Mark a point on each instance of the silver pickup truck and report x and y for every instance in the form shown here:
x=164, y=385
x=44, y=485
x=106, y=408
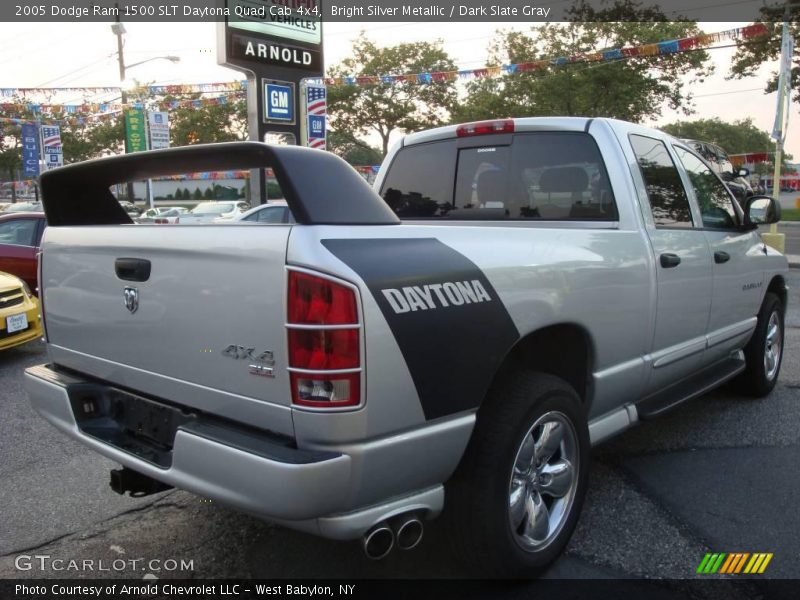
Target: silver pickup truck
x=510, y=293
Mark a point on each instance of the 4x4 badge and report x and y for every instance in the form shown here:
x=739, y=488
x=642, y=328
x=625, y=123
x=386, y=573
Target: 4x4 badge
x=131, y=296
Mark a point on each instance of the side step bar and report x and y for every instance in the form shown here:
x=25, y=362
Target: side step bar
x=692, y=387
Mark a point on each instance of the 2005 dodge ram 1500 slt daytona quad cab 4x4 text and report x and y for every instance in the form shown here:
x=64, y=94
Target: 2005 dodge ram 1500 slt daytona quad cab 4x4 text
x=510, y=293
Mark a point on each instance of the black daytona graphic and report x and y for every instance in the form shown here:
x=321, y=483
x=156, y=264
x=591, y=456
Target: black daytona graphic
x=451, y=327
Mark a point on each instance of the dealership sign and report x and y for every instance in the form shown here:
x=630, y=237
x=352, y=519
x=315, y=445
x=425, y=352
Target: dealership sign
x=135, y=137
x=30, y=150
x=158, y=123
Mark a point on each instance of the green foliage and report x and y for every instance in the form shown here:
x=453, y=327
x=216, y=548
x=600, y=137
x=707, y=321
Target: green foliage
x=197, y=194
x=629, y=89
x=209, y=123
x=384, y=108
x=274, y=190
x=767, y=48
x=735, y=138
x=739, y=137
x=351, y=149
x=208, y=194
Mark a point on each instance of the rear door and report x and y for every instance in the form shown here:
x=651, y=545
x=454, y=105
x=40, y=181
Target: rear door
x=682, y=264
x=737, y=259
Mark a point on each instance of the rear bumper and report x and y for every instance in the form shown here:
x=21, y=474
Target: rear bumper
x=291, y=484
x=311, y=490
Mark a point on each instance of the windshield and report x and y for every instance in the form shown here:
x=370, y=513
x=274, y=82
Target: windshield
x=214, y=209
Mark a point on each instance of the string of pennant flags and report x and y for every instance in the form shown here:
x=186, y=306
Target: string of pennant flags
x=154, y=90
x=91, y=110
x=646, y=50
x=103, y=110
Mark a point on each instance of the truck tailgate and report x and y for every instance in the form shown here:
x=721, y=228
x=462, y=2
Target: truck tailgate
x=212, y=307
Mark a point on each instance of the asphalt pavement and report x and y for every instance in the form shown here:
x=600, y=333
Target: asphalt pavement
x=718, y=474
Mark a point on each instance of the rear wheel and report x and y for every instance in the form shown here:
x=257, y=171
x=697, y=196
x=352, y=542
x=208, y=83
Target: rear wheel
x=764, y=351
x=515, y=499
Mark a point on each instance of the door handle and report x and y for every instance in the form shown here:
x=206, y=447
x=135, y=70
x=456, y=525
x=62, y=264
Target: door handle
x=721, y=257
x=132, y=269
x=669, y=260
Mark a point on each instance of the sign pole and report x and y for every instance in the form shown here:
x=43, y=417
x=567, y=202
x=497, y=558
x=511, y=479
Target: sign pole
x=277, y=46
x=773, y=238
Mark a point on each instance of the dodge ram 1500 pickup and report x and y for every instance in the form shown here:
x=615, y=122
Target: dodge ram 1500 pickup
x=454, y=339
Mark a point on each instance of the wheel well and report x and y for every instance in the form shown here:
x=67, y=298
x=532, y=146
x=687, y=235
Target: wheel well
x=563, y=350
x=778, y=287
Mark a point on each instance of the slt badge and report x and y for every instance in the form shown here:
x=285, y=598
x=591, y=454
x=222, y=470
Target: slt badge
x=131, y=296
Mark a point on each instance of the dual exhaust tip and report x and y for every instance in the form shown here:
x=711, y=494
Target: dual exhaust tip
x=403, y=531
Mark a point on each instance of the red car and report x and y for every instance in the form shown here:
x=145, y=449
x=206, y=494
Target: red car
x=20, y=234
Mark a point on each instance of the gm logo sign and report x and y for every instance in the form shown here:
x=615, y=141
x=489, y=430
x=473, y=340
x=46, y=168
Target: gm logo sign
x=279, y=102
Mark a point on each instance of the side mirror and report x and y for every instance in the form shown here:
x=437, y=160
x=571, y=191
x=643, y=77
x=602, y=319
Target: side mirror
x=742, y=172
x=762, y=210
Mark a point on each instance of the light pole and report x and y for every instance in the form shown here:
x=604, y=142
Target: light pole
x=119, y=30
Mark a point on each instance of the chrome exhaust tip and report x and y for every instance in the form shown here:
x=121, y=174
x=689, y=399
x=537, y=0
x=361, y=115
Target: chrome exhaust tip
x=408, y=531
x=378, y=541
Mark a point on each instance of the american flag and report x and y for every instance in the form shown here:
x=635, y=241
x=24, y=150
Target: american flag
x=51, y=136
x=316, y=106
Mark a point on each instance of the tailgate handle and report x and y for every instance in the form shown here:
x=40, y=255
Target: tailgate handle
x=132, y=269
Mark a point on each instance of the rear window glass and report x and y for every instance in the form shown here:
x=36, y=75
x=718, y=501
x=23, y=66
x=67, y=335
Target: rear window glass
x=540, y=176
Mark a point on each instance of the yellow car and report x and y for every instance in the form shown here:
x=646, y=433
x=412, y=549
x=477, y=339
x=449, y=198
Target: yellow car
x=19, y=312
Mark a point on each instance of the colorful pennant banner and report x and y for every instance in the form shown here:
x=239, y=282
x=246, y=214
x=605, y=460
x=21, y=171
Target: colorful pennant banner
x=109, y=109
x=658, y=49
x=184, y=88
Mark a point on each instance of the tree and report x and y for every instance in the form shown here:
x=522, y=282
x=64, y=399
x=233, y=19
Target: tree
x=208, y=194
x=631, y=89
x=752, y=54
x=739, y=137
x=208, y=123
x=387, y=107
x=197, y=194
x=352, y=149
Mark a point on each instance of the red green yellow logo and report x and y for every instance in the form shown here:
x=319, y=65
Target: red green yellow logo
x=734, y=563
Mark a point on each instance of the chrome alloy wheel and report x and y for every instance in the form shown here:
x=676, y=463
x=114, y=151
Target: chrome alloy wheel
x=773, y=346
x=543, y=481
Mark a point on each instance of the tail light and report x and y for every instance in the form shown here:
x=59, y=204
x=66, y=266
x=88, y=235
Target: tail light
x=485, y=128
x=161, y=221
x=324, y=341
x=177, y=220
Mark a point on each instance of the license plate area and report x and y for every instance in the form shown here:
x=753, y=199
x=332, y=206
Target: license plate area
x=137, y=425
x=16, y=323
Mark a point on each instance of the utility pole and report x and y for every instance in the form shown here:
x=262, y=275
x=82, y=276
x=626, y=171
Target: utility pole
x=119, y=29
x=773, y=238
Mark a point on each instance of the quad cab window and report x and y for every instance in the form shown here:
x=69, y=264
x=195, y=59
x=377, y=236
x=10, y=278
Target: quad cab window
x=537, y=176
x=716, y=203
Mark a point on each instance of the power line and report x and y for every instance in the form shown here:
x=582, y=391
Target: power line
x=731, y=92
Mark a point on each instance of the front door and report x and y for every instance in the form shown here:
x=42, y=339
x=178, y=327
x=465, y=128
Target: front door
x=737, y=260
x=683, y=267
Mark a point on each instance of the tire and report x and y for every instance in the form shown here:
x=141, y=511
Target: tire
x=764, y=352
x=491, y=516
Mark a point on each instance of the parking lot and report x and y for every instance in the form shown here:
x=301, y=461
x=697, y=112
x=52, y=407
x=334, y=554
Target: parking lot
x=716, y=475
